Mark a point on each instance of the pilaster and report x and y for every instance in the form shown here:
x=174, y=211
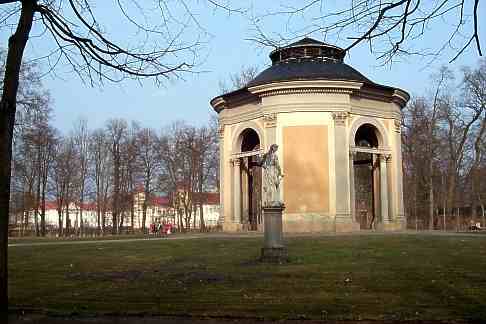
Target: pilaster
x=237, y=191
x=390, y=189
x=222, y=203
x=270, y=124
x=383, y=189
x=344, y=219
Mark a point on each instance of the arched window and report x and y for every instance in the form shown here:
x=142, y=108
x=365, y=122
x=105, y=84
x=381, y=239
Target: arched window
x=250, y=140
x=366, y=136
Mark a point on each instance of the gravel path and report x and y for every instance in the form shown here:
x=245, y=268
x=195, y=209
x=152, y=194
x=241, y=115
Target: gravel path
x=244, y=235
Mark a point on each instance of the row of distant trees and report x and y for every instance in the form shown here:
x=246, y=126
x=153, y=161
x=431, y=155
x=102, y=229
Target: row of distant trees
x=105, y=165
x=444, y=145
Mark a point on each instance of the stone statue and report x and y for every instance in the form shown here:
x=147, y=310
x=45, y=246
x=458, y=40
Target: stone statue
x=272, y=176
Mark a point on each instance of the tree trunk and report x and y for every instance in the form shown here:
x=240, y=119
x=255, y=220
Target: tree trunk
x=451, y=187
x=98, y=217
x=144, y=213
x=201, y=201
x=483, y=215
x=59, y=215
x=458, y=220
x=103, y=221
x=68, y=221
x=474, y=213
x=38, y=191
x=132, y=213
x=116, y=194
x=8, y=107
x=43, y=209
x=81, y=203
x=431, y=197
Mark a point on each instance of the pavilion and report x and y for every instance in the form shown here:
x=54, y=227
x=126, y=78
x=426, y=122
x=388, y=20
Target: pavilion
x=339, y=144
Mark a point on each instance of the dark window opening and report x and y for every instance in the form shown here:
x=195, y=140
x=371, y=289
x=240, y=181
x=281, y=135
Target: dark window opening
x=366, y=136
x=250, y=141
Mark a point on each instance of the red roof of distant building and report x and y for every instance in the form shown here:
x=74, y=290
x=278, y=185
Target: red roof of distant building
x=87, y=206
x=207, y=198
x=51, y=205
x=161, y=201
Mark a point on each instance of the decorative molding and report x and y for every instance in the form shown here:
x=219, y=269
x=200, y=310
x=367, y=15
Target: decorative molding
x=400, y=97
x=305, y=87
x=380, y=151
x=218, y=104
x=397, y=125
x=236, y=162
x=388, y=158
x=352, y=155
x=221, y=131
x=270, y=120
x=302, y=91
x=246, y=154
x=340, y=118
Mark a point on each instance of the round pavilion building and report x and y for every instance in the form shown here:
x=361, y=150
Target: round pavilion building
x=339, y=144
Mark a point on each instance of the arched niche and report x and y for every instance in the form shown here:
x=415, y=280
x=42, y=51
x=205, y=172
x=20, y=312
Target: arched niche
x=243, y=134
x=373, y=128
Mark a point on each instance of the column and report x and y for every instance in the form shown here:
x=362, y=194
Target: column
x=383, y=190
x=343, y=213
x=352, y=189
x=237, y=191
x=391, y=191
x=221, y=175
x=399, y=173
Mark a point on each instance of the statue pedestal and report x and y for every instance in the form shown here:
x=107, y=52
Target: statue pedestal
x=273, y=250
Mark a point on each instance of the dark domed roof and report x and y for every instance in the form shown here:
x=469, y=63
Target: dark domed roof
x=305, y=70
x=308, y=59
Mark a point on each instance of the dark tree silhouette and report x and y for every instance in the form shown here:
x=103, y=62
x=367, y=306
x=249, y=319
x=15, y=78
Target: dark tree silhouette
x=163, y=49
x=391, y=28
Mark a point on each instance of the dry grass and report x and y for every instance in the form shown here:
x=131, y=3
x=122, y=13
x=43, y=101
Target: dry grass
x=332, y=277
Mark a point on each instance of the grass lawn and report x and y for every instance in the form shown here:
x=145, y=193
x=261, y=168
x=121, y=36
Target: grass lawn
x=331, y=277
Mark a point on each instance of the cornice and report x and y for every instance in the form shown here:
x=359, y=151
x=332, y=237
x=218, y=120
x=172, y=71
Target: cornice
x=218, y=104
x=305, y=87
x=400, y=97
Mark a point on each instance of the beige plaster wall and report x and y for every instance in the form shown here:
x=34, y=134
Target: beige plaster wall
x=306, y=169
x=301, y=121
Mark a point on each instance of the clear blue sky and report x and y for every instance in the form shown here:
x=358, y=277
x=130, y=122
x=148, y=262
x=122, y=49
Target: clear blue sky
x=226, y=52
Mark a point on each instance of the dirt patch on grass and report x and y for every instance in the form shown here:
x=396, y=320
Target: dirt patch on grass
x=106, y=275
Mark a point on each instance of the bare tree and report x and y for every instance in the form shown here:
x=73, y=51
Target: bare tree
x=99, y=151
x=174, y=178
x=81, y=142
x=390, y=28
x=475, y=98
x=80, y=40
x=63, y=176
x=443, y=141
x=238, y=80
x=129, y=173
x=116, y=129
x=148, y=162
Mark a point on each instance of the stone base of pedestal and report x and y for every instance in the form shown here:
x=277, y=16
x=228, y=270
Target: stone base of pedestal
x=274, y=255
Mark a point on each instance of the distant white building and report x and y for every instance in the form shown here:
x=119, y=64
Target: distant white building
x=159, y=210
